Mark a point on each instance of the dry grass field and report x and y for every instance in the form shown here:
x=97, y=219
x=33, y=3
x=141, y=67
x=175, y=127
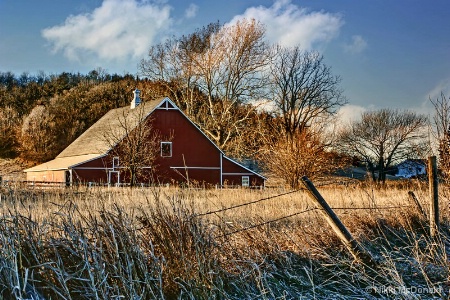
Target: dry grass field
x=171, y=243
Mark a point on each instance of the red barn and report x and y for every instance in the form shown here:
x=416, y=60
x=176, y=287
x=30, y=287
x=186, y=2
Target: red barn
x=185, y=153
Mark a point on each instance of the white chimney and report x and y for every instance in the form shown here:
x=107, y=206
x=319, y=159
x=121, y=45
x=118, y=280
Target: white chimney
x=136, y=100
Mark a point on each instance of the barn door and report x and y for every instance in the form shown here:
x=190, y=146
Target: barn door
x=113, y=178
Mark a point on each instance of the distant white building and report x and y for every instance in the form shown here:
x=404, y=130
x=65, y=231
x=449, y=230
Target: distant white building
x=411, y=168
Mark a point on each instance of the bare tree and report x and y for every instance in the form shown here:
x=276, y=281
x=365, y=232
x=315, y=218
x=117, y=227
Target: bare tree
x=306, y=95
x=133, y=141
x=37, y=135
x=222, y=66
x=172, y=65
x=384, y=137
x=232, y=75
x=442, y=132
x=303, y=88
x=9, y=122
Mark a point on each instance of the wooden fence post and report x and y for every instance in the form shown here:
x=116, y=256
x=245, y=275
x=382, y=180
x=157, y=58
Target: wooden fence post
x=417, y=203
x=434, y=196
x=341, y=231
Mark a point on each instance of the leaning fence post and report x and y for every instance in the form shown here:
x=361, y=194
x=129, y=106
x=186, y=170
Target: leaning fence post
x=417, y=203
x=344, y=235
x=434, y=196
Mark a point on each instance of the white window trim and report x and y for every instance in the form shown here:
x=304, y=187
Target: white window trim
x=163, y=143
x=247, y=179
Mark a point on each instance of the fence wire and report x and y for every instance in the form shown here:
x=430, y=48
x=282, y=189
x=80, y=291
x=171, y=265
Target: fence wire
x=243, y=204
x=372, y=208
x=309, y=210
x=294, y=214
x=267, y=222
x=340, y=182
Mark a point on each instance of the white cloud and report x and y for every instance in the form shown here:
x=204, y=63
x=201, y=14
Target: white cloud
x=357, y=45
x=441, y=87
x=191, y=11
x=117, y=30
x=349, y=113
x=291, y=25
x=265, y=105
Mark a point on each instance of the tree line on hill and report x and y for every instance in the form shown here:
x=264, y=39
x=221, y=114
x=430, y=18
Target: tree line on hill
x=253, y=99
x=40, y=115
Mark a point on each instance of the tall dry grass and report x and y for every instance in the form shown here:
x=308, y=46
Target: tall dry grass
x=170, y=243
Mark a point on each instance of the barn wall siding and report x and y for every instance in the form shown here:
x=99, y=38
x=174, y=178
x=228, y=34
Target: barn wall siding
x=47, y=176
x=189, y=146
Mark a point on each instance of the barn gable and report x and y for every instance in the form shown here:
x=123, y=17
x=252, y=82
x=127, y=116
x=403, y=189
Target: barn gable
x=191, y=155
x=166, y=103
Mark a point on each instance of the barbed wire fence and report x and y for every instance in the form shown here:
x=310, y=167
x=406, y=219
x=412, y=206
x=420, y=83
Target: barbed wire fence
x=217, y=212
x=320, y=205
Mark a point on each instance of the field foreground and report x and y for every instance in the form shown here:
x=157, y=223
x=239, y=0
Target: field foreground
x=168, y=243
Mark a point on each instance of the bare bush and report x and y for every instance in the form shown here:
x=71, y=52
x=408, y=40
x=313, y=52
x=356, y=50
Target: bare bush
x=300, y=154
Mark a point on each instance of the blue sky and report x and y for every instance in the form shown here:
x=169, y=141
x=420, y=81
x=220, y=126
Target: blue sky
x=389, y=53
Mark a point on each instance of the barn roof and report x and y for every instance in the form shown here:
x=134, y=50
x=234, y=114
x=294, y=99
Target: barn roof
x=112, y=127
x=62, y=163
x=98, y=139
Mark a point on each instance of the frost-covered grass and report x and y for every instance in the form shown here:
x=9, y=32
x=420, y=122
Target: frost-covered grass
x=154, y=243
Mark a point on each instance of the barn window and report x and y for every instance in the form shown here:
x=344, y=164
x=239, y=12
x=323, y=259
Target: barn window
x=245, y=181
x=115, y=162
x=166, y=149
